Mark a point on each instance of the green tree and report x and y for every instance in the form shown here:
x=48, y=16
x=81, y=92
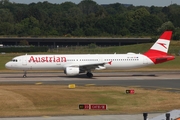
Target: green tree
x=115, y=8
x=166, y=26
x=88, y=6
x=176, y=34
x=67, y=5
x=85, y=19
x=6, y=16
x=6, y=22
x=173, y=14
x=28, y=26
x=136, y=20
x=139, y=13
x=91, y=32
x=150, y=24
x=6, y=28
x=4, y=2
x=20, y=13
x=78, y=32
x=154, y=10
x=106, y=25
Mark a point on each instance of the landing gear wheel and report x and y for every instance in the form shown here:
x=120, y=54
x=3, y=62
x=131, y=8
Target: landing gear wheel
x=24, y=76
x=89, y=75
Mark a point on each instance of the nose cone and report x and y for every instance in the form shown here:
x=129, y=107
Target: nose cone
x=8, y=65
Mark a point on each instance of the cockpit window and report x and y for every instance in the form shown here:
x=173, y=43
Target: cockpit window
x=14, y=60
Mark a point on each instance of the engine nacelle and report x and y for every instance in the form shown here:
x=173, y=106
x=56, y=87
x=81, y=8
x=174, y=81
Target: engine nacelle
x=72, y=71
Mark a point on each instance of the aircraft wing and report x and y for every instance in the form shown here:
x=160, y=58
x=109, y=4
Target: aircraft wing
x=92, y=66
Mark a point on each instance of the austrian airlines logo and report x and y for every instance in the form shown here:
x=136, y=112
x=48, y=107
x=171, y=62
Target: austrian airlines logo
x=163, y=44
x=110, y=62
x=47, y=59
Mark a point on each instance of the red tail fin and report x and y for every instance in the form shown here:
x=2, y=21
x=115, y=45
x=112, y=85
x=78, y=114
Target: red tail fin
x=158, y=52
x=161, y=46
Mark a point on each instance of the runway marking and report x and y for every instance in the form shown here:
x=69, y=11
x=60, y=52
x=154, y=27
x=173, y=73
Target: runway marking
x=172, y=89
x=137, y=86
x=169, y=88
x=72, y=86
x=38, y=83
x=90, y=84
x=46, y=116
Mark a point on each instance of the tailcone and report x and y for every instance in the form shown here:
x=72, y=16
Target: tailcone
x=170, y=57
x=161, y=59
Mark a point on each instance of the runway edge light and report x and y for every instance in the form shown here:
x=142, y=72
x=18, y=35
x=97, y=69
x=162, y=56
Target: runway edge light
x=71, y=86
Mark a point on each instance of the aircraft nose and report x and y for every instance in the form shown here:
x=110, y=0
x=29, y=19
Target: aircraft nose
x=7, y=65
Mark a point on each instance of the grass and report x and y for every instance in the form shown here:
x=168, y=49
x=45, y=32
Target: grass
x=46, y=100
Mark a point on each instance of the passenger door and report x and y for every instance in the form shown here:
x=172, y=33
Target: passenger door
x=24, y=60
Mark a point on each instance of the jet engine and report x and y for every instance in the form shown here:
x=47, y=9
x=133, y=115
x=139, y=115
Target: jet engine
x=72, y=71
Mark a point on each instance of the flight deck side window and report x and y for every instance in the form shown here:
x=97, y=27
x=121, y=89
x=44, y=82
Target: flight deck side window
x=14, y=60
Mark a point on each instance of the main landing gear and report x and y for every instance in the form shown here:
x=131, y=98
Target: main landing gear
x=89, y=75
x=24, y=76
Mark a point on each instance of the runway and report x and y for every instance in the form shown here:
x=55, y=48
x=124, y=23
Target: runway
x=139, y=79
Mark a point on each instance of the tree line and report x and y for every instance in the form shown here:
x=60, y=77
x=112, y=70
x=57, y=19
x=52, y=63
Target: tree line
x=87, y=19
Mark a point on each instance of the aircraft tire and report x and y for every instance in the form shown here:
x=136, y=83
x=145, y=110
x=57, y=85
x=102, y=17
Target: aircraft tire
x=24, y=76
x=89, y=75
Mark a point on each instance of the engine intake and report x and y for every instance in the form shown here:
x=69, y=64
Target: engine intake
x=72, y=71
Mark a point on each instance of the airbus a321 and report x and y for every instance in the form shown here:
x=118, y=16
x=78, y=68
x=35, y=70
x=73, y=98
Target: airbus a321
x=74, y=64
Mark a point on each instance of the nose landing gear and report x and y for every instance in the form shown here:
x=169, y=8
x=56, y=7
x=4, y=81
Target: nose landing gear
x=24, y=76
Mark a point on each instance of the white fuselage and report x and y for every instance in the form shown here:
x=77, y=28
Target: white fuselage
x=60, y=62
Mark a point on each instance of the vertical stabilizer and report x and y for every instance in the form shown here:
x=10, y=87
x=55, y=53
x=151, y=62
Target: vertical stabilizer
x=158, y=52
x=161, y=46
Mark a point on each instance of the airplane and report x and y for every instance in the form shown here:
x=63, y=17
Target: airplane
x=75, y=64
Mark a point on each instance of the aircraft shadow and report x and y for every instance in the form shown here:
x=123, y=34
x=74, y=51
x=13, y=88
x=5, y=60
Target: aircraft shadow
x=130, y=75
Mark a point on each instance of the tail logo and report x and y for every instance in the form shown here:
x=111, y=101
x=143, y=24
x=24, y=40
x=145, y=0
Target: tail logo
x=163, y=44
x=158, y=52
